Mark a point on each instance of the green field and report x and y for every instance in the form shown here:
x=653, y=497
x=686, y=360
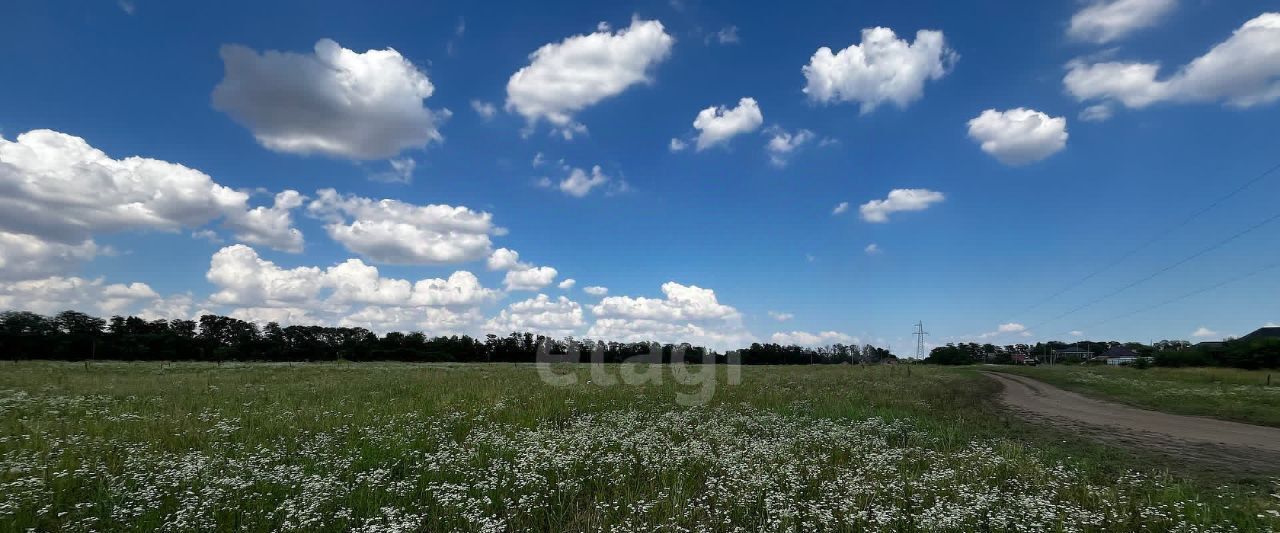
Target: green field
x=1226, y=393
x=399, y=447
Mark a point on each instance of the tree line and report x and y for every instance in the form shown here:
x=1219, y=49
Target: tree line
x=76, y=336
x=1236, y=353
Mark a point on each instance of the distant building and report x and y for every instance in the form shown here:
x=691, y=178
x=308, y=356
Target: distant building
x=1072, y=351
x=1119, y=355
x=1262, y=333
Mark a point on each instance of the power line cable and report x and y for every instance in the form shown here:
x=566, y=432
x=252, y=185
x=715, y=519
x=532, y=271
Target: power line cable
x=1176, y=264
x=1154, y=239
x=1196, y=292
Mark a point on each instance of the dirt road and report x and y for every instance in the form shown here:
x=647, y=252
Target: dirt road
x=1229, y=445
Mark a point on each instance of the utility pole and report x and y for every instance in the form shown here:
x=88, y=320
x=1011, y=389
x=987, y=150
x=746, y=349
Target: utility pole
x=919, y=334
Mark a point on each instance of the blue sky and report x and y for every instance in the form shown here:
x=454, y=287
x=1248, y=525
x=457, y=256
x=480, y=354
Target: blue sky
x=697, y=244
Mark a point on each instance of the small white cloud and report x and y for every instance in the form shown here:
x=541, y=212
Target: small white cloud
x=505, y=259
x=1104, y=21
x=270, y=226
x=782, y=144
x=727, y=35
x=401, y=171
x=1077, y=333
x=596, y=290
x=1204, y=332
x=804, y=338
x=883, y=68
x=579, y=183
x=563, y=78
x=1096, y=113
x=1019, y=136
x=872, y=249
x=780, y=316
x=717, y=124
x=207, y=235
x=840, y=208
x=1007, y=329
x=567, y=283
x=676, y=145
x=530, y=279
x=899, y=200
x=538, y=160
x=486, y=110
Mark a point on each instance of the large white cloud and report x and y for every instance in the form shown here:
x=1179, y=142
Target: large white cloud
x=57, y=192
x=349, y=293
x=1019, y=136
x=59, y=188
x=244, y=278
x=882, y=68
x=1242, y=71
x=718, y=124
x=563, y=78
x=56, y=293
x=25, y=256
x=687, y=313
x=804, y=338
x=541, y=314
x=391, y=231
x=430, y=320
x=899, y=200
x=1104, y=21
x=334, y=101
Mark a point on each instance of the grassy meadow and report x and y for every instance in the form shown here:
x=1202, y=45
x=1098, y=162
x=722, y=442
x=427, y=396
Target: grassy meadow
x=475, y=447
x=1226, y=393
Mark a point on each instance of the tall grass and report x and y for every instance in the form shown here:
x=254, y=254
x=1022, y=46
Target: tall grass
x=397, y=447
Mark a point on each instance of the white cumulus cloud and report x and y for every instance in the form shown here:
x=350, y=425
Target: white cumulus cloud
x=780, y=316
x=541, y=314
x=1019, y=136
x=529, y=279
x=57, y=192
x=1242, y=71
x=840, y=208
x=566, y=77
x=579, y=183
x=1202, y=332
x=782, y=144
x=717, y=124
x=804, y=338
x=596, y=290
x=333, y=101
x=57, y=293
x=897, y=201
x=392, y=231
x=1103, y=21
x=881, y=69
x=687, y=313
